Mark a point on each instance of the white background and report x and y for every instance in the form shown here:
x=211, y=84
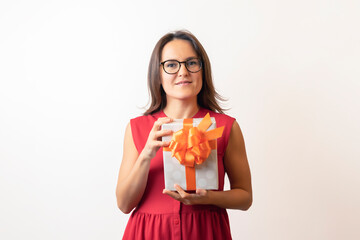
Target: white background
x=72, y=74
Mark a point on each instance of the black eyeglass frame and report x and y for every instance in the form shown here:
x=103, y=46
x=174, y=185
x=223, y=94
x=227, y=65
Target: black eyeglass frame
x=163, y=64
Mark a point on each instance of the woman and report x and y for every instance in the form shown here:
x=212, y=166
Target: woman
x=180, y=83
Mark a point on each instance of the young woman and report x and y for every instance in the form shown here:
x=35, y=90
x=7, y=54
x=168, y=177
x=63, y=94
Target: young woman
x=180, y=83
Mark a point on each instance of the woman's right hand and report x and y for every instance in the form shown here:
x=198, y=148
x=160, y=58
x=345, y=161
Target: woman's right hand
x=154, y=141
x=134, y=168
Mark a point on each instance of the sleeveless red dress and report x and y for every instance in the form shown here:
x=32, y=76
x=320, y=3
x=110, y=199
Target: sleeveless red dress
x=160, y=217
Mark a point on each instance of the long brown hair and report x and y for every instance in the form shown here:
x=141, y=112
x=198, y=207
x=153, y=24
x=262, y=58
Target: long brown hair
x=207, y=98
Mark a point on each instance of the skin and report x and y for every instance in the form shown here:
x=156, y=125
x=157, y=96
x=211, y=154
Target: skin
x=181, y=98
x=182, y=103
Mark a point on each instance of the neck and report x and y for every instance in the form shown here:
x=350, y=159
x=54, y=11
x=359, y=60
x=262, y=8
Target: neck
x=180, y=109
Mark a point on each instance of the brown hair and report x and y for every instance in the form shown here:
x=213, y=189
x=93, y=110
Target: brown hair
x=207, y=98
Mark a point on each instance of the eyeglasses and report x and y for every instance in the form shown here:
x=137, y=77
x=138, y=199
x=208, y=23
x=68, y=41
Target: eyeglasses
x=193, y=65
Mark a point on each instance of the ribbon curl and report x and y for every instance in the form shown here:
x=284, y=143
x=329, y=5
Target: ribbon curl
x=190, y=145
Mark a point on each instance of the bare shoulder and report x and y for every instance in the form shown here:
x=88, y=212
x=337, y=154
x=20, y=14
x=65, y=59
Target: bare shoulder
x=236, y=162
x=128, y=138
x=236, y=135
x=130, y=153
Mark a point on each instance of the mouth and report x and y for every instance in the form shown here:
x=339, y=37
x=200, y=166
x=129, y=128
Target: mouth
x=183, y=82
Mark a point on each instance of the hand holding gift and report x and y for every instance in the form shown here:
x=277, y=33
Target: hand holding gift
x=201, y=196
x=153, y=143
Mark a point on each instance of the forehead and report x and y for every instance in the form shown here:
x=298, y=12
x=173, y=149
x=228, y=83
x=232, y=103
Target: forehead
x=178, y=49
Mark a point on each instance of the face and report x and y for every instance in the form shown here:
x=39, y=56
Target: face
x=183, y=85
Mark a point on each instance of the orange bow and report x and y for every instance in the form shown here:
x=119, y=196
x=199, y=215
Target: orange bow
x=191, y=145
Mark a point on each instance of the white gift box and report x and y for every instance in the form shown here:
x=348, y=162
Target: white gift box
x=206, y=173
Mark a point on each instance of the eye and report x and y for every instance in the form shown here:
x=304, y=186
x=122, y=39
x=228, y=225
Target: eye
x=171, y=64
x=193, y=62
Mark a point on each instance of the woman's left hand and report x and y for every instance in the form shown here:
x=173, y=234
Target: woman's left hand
x=201, y=196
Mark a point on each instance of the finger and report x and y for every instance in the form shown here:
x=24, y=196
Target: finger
x=161, y=144
x=172, y=194
x=160, y=122
x=164, y=132
x=201, y=192
x=181, y=191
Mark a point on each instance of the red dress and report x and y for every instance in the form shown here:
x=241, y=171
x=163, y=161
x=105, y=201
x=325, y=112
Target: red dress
x=160, y=217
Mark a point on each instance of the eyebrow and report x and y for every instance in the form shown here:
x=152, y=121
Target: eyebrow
x=189, y=58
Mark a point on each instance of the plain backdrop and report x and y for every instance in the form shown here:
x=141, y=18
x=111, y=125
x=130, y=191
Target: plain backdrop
x=72, y=74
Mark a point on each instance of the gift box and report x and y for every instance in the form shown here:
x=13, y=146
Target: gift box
x=191, y=159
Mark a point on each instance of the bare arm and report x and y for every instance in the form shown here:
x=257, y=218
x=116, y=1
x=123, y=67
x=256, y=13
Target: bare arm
x=134, y=167
x=238, y=171
x=240, y=194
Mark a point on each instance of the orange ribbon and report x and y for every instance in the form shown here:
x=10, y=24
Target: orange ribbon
x=192, y=145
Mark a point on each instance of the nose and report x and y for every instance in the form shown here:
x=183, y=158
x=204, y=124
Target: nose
x=183, y=70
